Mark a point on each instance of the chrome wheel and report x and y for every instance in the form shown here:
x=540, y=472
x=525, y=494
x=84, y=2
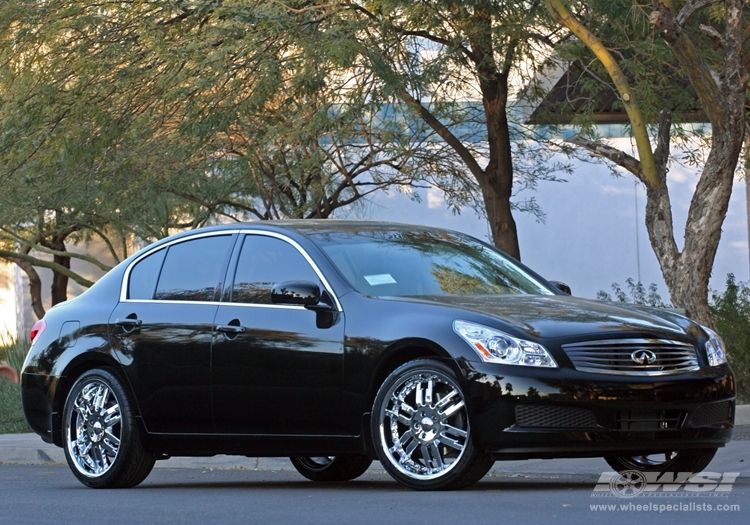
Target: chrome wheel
x=102, y=441
x=93, y=438
x=422, y=431
x=425, y=427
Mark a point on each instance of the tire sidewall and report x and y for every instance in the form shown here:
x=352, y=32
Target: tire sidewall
x=685, y=461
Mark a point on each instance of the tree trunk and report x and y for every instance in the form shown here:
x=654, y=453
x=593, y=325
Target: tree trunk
x=35, y=285
x=496, y=182
x=60, y=281
x=723, y=98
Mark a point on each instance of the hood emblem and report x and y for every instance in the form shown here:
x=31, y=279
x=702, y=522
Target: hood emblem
x=643, y=357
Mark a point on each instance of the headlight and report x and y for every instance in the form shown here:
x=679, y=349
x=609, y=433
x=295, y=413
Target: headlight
x=494, y=346
x=715, y=349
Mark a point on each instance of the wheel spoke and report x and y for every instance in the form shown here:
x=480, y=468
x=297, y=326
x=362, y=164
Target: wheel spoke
x=449, y=441
x=409, y=450
x=398, y=416
x=428, y=393
x=112, y=416
x=111, y=447
x=418, y=395
x=440, y=405
x=453, y=431
x=452, y=409
x=434, y=459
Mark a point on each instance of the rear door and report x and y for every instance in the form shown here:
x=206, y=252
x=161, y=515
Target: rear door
x=163, y=329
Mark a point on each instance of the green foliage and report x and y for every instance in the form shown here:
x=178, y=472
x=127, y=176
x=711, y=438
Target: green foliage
x=138, y=119
x=731, y=315
x=12, y=419
x=657, y=80
x=636, y=294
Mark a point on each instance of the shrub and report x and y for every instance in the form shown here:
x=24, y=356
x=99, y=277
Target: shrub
x=12, y=419
x=14, y=352
x=731, y=316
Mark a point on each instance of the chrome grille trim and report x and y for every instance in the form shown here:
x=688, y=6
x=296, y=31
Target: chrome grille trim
x=613, y=356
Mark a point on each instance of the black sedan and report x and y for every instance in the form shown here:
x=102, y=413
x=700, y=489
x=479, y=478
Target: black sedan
x=338, y=342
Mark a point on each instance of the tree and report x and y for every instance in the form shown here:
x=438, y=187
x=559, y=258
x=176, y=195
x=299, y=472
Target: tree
x=718, y=80
x=433, y=60
x=128, y=121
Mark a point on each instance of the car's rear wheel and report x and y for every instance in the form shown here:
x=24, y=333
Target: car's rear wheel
x=331, y=468
x=421, y=431
x=677, y=461
x=102, y=441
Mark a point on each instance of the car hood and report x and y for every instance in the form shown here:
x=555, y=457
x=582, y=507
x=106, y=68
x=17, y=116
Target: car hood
x=555, y=316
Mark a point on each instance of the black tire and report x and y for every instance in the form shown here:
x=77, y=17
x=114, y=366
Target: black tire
x=101, y=438
x=331, y=468
x=678, y=461
x=421, y=432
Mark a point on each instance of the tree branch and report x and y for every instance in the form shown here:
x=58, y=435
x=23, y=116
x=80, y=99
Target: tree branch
x=445, y=134
x=619, y=157
x=44, y=249
x=661, y=154
x=648, y=172
x=47, y=264
x=690, y=7
x=694, y=66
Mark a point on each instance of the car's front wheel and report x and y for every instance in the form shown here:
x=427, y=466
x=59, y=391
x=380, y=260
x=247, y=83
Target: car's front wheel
x=101, y=438
x=331, y=468
x=421, y=431
x=677, y=461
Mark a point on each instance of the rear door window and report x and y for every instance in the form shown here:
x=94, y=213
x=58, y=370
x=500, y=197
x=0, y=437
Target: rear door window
x=193, y=270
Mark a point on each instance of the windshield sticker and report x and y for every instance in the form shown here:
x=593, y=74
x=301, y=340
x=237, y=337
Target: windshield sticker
x=381, y=278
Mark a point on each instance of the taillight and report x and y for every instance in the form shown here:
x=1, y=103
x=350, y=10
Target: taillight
x=37, y=329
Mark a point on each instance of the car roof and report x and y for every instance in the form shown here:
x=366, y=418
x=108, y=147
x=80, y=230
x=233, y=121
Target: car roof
x=306, y=226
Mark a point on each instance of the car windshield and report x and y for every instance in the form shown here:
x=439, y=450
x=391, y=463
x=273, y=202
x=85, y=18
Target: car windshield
x=422, y=262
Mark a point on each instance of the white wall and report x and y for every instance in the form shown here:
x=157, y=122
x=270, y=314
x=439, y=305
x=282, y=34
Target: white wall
x=589, y=239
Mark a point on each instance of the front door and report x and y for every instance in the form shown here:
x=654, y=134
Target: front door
x=276, y=370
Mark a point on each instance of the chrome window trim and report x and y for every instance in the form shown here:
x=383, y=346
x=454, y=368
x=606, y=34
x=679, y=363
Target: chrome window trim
x=216, y=303
x=292, y=242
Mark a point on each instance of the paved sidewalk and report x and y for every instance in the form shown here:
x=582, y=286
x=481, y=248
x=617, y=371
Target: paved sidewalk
x=29, y=449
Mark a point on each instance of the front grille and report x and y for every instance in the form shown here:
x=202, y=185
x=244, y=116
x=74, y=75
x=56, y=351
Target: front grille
x=713, y=414
x=555, y=417
x=649, y=420
x=618, y=356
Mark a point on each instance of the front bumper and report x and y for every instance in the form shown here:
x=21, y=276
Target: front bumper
x=537, y=413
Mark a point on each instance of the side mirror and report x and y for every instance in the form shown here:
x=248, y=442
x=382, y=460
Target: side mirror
x=561, y=286
x=303, y=293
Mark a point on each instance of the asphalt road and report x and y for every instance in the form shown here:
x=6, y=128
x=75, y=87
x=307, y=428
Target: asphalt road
x=51, y=495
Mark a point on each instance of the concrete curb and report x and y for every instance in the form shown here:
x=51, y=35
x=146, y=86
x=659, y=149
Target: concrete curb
x=742, y=415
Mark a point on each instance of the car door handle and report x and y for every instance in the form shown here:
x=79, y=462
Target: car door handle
x=129, y=323
x=230, y=329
